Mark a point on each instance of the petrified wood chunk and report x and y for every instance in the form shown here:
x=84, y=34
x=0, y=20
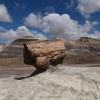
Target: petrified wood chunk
x=43, y=53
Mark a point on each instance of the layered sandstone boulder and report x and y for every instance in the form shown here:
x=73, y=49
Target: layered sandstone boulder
x=44, y=53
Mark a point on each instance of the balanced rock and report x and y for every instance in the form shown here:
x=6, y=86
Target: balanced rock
x=43, y=53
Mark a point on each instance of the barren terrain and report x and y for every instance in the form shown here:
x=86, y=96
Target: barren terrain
x=63, y=82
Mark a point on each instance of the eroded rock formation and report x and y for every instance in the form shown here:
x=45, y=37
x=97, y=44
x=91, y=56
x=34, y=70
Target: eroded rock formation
x=43, y=53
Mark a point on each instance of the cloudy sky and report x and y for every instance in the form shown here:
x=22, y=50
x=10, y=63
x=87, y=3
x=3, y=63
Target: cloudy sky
x=68, y=19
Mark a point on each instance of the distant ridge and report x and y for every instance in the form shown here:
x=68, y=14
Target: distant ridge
x=88, y=39
x=22, y=40
x=83, y=43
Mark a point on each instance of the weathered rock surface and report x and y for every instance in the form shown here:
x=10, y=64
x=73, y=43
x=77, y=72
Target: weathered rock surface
x=66, y=83
x=11, y=51
x=87, y=43
x=43, y=53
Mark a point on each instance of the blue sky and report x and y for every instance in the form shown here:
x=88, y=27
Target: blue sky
x=69, y=19
x=18, y=9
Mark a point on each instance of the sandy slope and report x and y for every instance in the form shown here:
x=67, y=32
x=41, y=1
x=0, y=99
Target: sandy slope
x=65, y=83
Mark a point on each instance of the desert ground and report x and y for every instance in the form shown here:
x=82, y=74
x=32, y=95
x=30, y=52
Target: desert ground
x=62, y=82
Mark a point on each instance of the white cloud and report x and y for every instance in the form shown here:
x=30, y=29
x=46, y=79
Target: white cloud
x=86, y=7
x=38, y=35
x=32, y=20
x=4, y=15
x=21, y=31
x=8, y=35
x=60, y=25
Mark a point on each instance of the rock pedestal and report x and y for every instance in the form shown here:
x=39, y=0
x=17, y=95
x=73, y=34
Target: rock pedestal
x=44, y=53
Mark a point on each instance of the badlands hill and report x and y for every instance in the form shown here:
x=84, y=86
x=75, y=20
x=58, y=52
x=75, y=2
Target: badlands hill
x=83, y=50
x=62, y=82
x=84, y=43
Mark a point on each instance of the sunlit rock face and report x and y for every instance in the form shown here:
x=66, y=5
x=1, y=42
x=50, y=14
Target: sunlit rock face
x=43, y=53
